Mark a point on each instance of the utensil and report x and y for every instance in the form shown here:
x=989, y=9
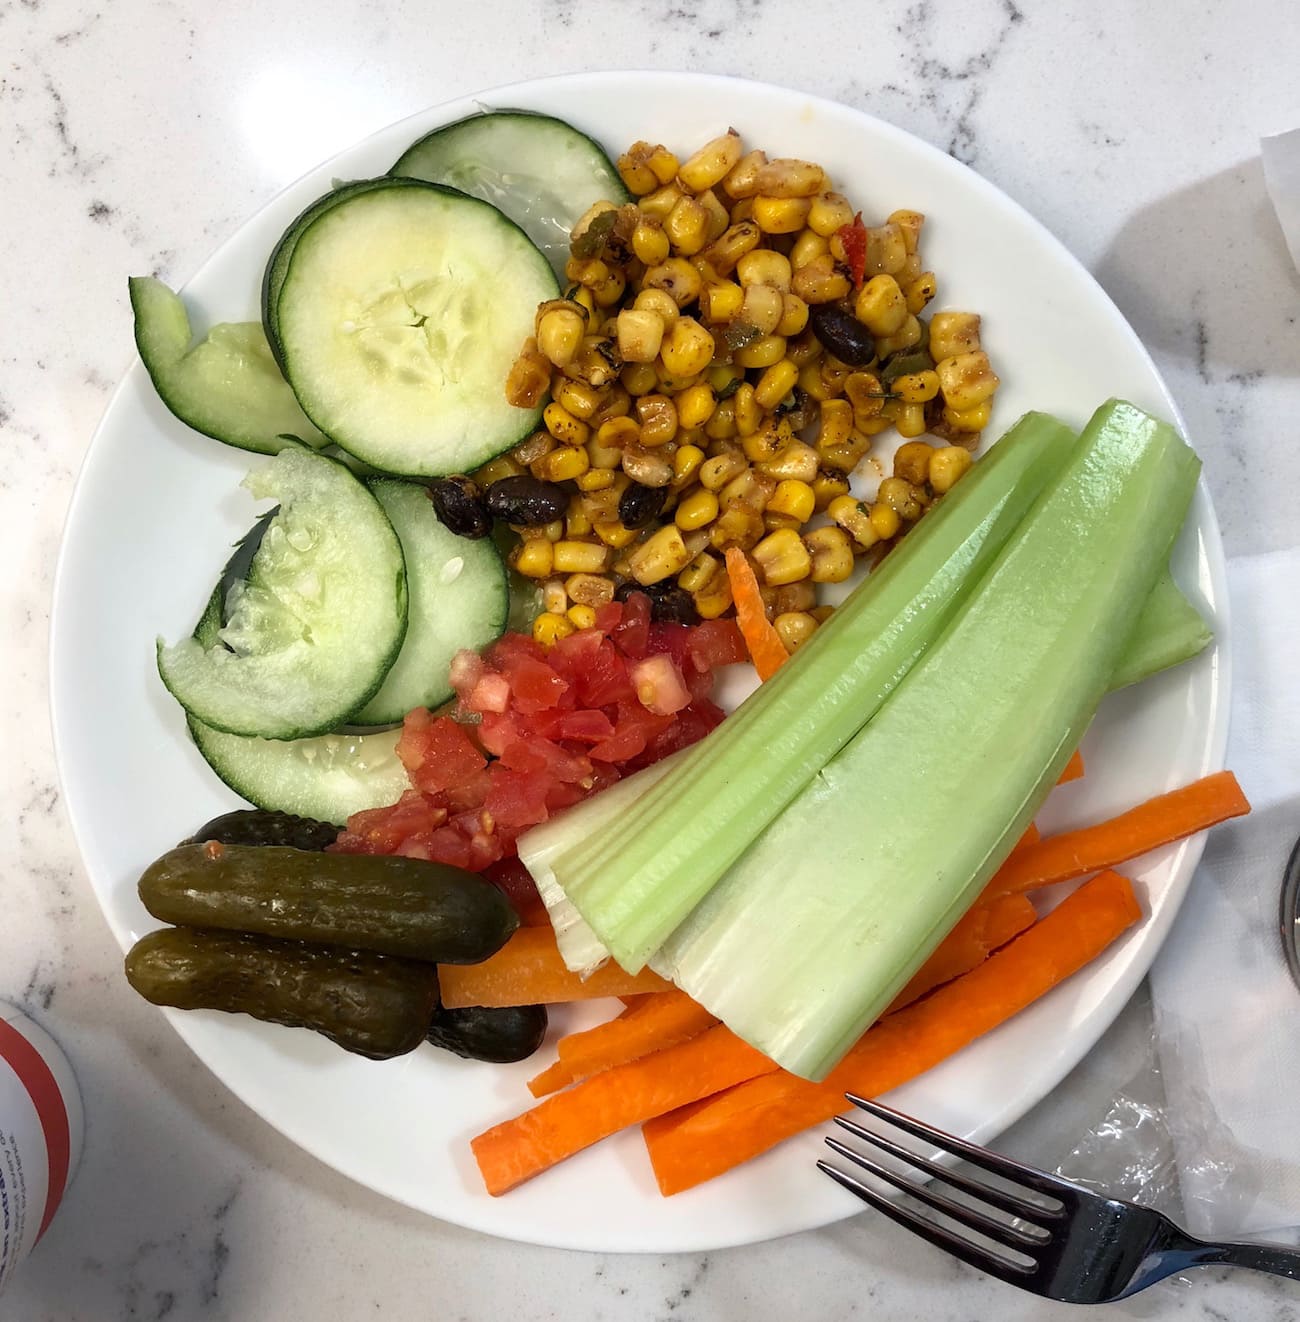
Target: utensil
x=1289, y=916
x=1056, y=1239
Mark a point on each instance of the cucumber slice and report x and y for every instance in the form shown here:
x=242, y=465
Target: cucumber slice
x=278, y=263
x=316, y=626
x=227, y=386
x=458, y=597
x=540, y=171
x=399, y=317
x=329, y=777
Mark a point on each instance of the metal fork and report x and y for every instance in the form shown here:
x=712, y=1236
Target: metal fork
x=1054, y=1238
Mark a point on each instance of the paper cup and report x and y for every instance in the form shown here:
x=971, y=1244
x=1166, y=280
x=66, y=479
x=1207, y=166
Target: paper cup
x=41, y=1128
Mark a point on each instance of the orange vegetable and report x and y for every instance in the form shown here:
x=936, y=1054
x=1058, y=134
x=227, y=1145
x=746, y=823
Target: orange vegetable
x=1073, y=769
x=765, y=646
x=1158, y=821
x=661, y=1020
x=528, y=970
x=711, y=1136
x=984, y=928
x=565, y=1123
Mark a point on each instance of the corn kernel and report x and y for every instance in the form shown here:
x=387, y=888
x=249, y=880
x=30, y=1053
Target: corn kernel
x=721, y=301
x=559, y=334
x=577, y=523
x=639, y=335
x=808, y=247
x=795, y=461
x=901, y=497
x=533, y=558
x=762, y=308
x=971, y=420
x=780, y=215
x=920, y=291
x=762, y=352
x=614, y=534
x=712, y=163
x=677, y=278
x=580, y=399
x=661, y=202
x=836, y=424
x=699, y=573
x=554, y=597
x=589, y=589
x=820, y=281
x=594, y=479
x=947, y=466
x=695, y=405
x=794, y=316
x=687, y=460
x=533, y=447
x=912, y=462
x=765, y=443
x=549, y=628
x=829, y=212
x=776, y=383
x=529, y=377
x=885, y=520
x=495, y=469
x=805, y=348
x=565, y=464
x=649, y=241
x=611, y=437
x=886, y=250
x=696, y=510
x=615, y=402
x=953, y=333
x=609, y=289
x=748, y=411
x=659, y=556
x=794, y=500
x=638, y=378
x=572, y=557
x=582, y=617
x=967, y=380
x=688, y=348
x=721, y=426
x=832, y=554
x=738, y=525
x=718, y=217
x=636, y=175
x=714, y=599
x=787, y=177
x=794, y=629
x=717, y=471
x=657, y=415
x=915, y=387
x=741, y=181
x=687, y=226
x=731, y=245
x=827, y=486
x=911, y=420
x=906, y=337
x=880, y=305
x=855, y=518
x=564, y=426
x=782, y=557
x=764, y=266
x=651, y=467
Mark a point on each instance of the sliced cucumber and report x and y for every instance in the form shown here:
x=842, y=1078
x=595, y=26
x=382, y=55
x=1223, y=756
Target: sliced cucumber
x=457, y=597
x=540, y=171
x=311, y=633
x=329, y=777
x=228, y=386
x=399, y=317
x=278, y=265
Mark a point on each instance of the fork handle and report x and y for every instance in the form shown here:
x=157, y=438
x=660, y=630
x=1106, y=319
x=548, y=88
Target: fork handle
x=1276, y=1259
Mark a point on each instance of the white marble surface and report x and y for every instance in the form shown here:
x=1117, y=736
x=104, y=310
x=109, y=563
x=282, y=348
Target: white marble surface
x=135, y=136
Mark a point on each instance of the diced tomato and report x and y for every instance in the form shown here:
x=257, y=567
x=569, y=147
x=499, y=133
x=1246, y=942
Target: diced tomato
x=717, y=643
x=609, y=616
x=516, y=799
x=605, y=680
x=854, y=238
x=447, y=755
x=534, y=685
x=466, y=667
x=632, y=633
x=660, y=687
x=588, y=726
x=490, y=693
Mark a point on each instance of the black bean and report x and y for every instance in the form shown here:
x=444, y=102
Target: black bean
x=668, y=602
x=842, y=334
x=459, y=504
x=527, y=502
x=639, y=506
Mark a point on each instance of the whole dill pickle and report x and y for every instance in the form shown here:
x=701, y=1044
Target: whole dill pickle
x=262, y=826
x=374, y=1005
x=393, y=906
x=498, y=1033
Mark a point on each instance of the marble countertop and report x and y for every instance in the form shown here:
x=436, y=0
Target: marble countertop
x=137, y=136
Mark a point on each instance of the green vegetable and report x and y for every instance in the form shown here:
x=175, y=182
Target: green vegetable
x=373, y=1005
x=635, y=885
x=799, y=948
x=500, y=1033
x=1169, y=631
x=390, y=905
x=256, y=826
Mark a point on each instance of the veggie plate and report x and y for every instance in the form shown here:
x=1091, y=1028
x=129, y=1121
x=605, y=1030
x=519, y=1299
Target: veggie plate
x=138, y=551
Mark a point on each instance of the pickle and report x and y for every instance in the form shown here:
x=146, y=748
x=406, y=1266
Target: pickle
x=499, y=1033
x=262, y=826
x=373, y=1005
x=393, y=906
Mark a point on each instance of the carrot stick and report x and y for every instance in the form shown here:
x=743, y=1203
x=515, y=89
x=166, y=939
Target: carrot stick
x=765, y=646
x=1158, y=821
x=528, y=970
x=984, y=928
x=660, y=1020
x=717, y=1133
x=516, y=1150
x=1073, y=769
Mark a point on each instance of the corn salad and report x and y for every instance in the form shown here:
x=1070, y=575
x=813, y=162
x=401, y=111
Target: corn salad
x=691, y=368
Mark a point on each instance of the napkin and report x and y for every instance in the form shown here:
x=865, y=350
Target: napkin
x=1227, y=1015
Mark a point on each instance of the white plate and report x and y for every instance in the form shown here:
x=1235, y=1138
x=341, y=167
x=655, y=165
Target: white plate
x=157, y=507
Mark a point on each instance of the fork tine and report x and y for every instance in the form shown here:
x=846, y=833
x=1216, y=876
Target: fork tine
x=982, y=1259
x=994, y=1228
x=999, y=1198
x=1051, y=1186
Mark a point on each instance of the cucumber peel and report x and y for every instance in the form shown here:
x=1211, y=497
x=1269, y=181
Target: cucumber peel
x=227, y=386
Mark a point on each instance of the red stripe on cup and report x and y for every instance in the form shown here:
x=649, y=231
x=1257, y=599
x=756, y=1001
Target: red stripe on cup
x=34, y=1074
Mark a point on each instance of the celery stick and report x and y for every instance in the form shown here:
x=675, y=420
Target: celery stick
x=635, y=885
x=829, y=913
x=1170, y=630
